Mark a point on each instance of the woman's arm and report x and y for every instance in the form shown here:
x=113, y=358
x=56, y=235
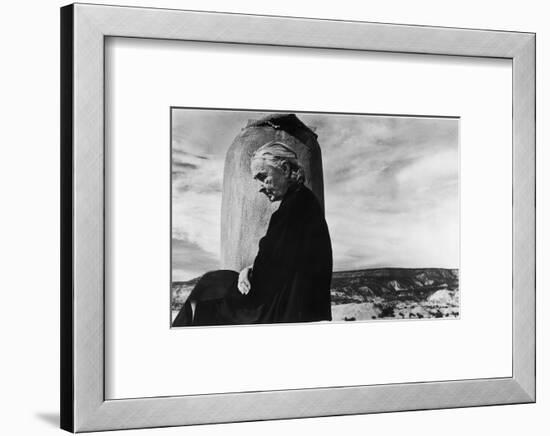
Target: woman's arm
x=243, y=284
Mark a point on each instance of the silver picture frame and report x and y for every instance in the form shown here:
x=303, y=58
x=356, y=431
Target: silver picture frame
x=84, y=28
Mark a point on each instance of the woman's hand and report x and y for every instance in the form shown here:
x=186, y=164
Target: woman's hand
x=244, y=282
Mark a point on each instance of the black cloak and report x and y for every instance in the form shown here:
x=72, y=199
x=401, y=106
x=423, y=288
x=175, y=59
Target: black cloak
x=290, y=280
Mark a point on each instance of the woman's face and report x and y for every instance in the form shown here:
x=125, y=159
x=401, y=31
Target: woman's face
x=273, y=181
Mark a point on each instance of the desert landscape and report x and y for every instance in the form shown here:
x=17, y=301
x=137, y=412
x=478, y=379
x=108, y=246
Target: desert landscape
x=378, y=294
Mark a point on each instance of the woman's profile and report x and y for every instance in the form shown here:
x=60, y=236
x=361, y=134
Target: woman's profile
x=289, y=280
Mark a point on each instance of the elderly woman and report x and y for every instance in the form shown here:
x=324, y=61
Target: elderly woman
x=290, y=278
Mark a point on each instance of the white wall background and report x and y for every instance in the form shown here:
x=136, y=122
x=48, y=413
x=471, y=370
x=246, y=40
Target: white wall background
x=29, y=234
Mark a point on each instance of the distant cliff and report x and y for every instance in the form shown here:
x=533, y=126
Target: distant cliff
x=394, y=283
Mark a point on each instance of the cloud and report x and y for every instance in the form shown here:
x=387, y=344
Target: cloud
x=365, y=237
x=206, y=132
x=391, y=190
x=190, y=260
x=201, y=176
x=196, y=217
x=197, y=175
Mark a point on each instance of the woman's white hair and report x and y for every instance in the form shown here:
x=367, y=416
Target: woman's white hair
x=276, y=153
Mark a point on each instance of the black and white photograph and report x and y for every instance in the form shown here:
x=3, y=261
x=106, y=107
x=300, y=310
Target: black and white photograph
x=284, y=217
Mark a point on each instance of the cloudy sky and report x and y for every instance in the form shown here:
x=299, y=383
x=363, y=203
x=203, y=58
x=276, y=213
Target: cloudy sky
x=391, y=188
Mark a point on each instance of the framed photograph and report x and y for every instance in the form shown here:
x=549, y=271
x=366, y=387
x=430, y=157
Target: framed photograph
x=272, y=217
